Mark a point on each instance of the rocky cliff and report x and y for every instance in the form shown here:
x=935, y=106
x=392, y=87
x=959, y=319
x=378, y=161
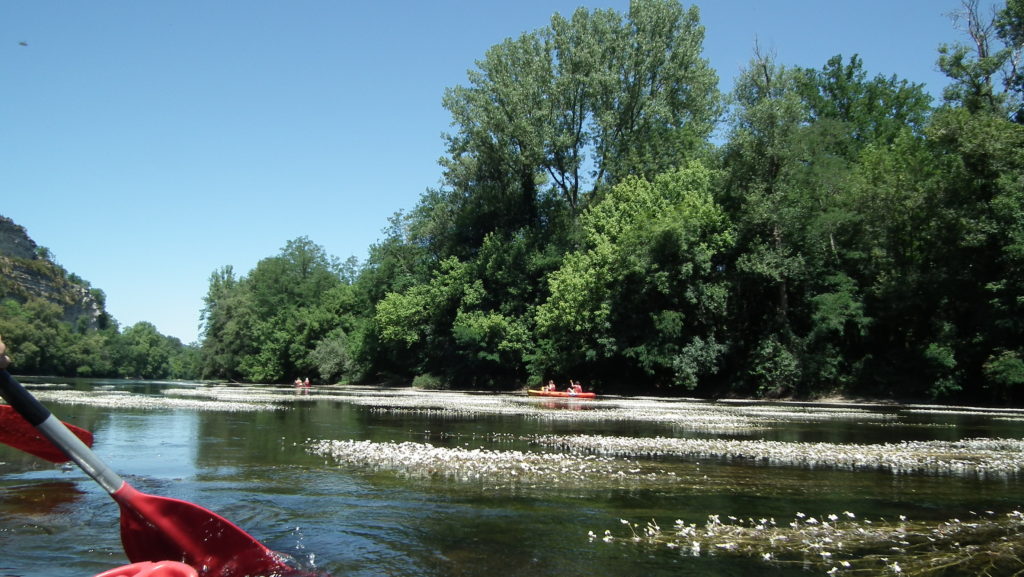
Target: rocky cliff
x=26, y=272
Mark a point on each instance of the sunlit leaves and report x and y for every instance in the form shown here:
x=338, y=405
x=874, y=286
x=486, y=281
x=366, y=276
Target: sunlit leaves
x=261, y=327
x=590, y=99
x=408, y=316
x=643, y=288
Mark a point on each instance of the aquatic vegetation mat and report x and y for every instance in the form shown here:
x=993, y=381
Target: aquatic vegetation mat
x=126, y=400
x=988, y=544
x=977, y=457
x=631, y=462
x=422, y=460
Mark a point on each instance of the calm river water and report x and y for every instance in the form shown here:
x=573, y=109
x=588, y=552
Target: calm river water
x=253, y=467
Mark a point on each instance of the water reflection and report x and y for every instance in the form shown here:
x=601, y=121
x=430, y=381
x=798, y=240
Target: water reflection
x=38, y=500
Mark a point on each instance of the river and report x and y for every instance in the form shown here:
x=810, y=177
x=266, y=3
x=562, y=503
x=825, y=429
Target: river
x=442, y=484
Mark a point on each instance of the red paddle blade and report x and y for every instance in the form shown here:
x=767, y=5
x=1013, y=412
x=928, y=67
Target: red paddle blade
x=159, y=528
x=20, y=434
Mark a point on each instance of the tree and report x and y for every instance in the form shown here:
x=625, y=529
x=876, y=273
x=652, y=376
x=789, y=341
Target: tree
x=875, y=111
x=800, y=279
x=1010, y=29
x=546, y=122
x=658, y=102
x=977, y=239
x=972, y=68
x=418, y=320
x=262, y=327
x=575, y=106
x=35, y=334
x=643, y=297
x=297, y=276
x=227, y=318
x=144, y=353
x=759, y=157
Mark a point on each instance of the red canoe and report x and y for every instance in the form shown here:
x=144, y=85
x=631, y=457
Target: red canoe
x=565, y=394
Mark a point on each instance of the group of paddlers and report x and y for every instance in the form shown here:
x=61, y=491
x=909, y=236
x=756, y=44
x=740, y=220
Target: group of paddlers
x=301, y=383
x=573, y=387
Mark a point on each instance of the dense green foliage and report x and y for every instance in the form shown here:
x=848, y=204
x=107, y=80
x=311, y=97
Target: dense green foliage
x=838, y=233
x=288, y=316
x=56, y=323
x=43, y=343
x=845, y=236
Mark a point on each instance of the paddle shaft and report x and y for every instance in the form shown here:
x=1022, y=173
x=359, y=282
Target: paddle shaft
x=154, y=528
x=50, y=427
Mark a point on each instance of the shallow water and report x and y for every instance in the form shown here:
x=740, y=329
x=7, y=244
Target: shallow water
x=253, y=468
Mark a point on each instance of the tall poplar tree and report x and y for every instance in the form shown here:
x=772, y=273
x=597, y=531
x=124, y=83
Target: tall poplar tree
x=574, y=106
x=545, y=122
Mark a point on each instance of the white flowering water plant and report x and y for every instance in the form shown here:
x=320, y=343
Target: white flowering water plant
x=987, y=544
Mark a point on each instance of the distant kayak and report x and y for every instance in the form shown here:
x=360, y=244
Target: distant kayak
x=542, y=393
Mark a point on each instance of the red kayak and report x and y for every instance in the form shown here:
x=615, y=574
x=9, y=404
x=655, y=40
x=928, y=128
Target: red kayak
x=563, y=394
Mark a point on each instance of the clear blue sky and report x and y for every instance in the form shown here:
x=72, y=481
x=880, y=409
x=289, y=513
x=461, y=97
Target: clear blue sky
x=147, y=144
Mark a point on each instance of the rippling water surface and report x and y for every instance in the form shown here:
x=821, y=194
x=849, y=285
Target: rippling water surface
x=245, y=453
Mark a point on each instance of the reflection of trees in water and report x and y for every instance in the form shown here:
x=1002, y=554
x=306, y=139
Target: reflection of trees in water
x=38, y=499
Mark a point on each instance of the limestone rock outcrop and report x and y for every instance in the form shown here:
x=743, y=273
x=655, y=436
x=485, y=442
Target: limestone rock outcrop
x=27, y=272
